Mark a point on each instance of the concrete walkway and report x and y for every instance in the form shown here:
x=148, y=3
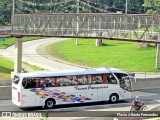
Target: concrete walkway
x=32, y=54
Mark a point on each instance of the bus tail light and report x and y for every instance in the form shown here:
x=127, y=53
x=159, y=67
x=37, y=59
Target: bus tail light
x=18, y=96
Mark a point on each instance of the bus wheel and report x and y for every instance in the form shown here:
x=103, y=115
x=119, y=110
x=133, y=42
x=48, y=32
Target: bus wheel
x=113, y=98
x=49, y=103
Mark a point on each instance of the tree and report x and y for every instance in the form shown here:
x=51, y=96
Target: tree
x=67, y=6
x=135, y=6
x=153, y=6
x=5, y=12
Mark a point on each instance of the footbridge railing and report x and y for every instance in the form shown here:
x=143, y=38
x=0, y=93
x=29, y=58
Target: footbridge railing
x=131, y=27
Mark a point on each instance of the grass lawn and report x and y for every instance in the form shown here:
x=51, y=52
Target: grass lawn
x=6, y=67
x=34, y=67
x=11, y=41
x=117, y=54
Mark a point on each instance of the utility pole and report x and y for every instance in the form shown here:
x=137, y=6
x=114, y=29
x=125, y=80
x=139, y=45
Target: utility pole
x=89, y=6
x=77, y=21
x=126, y=7
x=13, y=7
x=51, y=5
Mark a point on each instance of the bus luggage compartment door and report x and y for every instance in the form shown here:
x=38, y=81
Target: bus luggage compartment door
x=28, y=98
x=95, y=96
x=80, y=96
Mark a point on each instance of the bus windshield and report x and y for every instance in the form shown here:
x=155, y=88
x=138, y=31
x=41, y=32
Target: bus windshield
x=124, y=81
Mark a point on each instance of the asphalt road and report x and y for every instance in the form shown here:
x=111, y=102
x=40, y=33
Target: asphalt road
x=30, y=54
x=92, y=111
x=150, y=97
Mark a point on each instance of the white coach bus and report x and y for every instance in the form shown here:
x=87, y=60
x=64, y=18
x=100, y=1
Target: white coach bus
x=47, y=89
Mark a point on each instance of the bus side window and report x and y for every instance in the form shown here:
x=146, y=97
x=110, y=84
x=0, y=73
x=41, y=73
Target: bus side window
x=112, y=79
x=105, y=79
x=89, y=79
x=66, y=81
x=98, y=79
x=34, y=85
x=93, y=79
x=42, y=83
x=60, y=82
x=37, y=83
x=52, y=82
x=24, y=83
x=81, y=80
x=29, y=83
x=74, y=80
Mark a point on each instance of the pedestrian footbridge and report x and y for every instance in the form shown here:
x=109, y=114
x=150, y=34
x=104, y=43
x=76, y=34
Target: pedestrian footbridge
x=126, y=27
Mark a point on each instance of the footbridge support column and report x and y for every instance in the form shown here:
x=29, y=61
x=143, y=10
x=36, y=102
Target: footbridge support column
x=18, y=56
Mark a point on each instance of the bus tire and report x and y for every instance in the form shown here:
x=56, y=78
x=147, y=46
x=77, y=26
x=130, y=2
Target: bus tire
x=49, y=103
x=113, y=98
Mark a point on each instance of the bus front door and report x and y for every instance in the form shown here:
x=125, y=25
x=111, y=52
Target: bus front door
x=127, y=89
x=126, y=94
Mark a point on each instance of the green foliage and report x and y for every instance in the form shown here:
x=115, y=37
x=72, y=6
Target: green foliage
x=66, y=6
x=6, y=66
x=10, y=41
x=123, y=55
x=153, y=6
x=34, y=67
x=46, y=115
x=5, y=12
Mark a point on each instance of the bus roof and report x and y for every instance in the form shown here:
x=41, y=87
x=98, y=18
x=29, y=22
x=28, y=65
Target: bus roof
x=70, y=72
